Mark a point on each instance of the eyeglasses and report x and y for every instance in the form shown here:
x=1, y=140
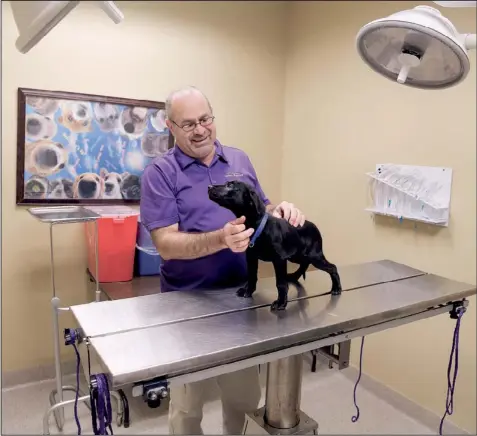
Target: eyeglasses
x=188, y=127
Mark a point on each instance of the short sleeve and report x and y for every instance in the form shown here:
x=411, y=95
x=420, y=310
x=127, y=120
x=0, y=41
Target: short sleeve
x=158, y=206
x=258, y=187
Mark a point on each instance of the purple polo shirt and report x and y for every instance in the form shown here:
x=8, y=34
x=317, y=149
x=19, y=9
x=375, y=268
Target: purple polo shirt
x=174, y=190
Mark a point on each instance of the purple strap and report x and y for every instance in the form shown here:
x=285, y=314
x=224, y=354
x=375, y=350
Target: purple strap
x=70, y=339
x=459, y=312
x=101, y=406
x=356, y=417
x=259, y=230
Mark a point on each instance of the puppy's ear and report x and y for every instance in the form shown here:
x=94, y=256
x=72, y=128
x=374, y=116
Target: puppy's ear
x=103, y=172
x=252, y=198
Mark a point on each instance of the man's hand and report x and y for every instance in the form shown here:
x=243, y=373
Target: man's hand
x=235, y=236
x=290, y=213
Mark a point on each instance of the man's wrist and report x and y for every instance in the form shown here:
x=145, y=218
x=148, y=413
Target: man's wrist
x=270, y=208
x=220, y=238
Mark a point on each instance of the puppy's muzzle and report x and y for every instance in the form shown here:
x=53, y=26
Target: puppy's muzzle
x=48, y=158
x=216, y=191
x=129, y=128
x=215, y=187
x=87, y=188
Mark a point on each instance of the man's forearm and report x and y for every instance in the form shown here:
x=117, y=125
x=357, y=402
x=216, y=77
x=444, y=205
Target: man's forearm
x=178, y=245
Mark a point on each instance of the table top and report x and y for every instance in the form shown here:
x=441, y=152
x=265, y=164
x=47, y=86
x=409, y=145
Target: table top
x=150, y=285
x=165, y=335
x=137, y=287
x=152, y=309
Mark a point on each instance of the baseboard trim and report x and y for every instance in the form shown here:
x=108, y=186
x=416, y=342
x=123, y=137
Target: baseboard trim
x=11, y=379
x=402, y=403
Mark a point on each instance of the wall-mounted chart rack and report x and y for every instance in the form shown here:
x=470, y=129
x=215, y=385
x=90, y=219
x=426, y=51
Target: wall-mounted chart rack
x=417, y=193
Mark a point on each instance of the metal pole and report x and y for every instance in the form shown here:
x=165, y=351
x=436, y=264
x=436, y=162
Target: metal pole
x=283, y=392
x=55, y=303
x=83, y=398
x=52, y=262
x=96, y=249
x=56, y=408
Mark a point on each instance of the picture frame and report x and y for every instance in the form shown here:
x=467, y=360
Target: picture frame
x=85, y=149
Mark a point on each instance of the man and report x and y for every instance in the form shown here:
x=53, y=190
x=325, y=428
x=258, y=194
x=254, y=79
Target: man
x=201, y=244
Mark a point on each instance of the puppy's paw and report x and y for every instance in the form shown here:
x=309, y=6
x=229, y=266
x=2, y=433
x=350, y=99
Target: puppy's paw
x=278, y=305
x=336, y=291
x=245, y=292
x=249, y=293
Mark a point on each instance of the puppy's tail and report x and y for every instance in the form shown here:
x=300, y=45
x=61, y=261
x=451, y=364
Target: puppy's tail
x=301, y=271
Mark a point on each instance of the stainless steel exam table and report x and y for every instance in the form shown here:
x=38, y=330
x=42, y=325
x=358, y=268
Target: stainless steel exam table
x=156, y=340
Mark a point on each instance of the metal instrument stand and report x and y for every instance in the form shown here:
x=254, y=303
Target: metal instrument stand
x=66, y=215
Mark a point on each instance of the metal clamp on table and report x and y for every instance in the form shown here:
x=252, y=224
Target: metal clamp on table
x=154, y=341
x=153, y=392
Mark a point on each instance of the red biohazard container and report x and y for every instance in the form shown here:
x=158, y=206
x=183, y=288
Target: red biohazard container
x=117, y=230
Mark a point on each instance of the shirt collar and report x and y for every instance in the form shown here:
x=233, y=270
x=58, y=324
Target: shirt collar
x=220, y=152
x=184, y=160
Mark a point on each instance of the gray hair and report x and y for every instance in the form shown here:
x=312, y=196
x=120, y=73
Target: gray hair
x=182, y=91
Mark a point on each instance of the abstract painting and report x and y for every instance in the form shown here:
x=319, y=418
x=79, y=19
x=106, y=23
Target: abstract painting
x=85, y=149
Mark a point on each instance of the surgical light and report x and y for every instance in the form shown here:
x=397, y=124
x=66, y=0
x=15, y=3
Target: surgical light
x=418, y=47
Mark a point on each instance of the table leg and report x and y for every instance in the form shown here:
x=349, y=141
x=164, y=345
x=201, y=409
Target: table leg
x=281, y=413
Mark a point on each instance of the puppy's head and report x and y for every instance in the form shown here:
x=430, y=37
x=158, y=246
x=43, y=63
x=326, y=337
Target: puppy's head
x=133, y=122
x=76, y=116
x=130, y=187
x=153, y=144
x=112, y=182
x=107, y=116
x=158, y=120
x=45, y=157
x=61, y=189
x=88, y=186
x=39, y=127
x=36, y=187
x=43, y=106
x=238, y=197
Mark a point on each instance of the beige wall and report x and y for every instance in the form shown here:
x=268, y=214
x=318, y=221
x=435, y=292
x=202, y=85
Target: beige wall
x=341, y=120
x=234, y=51
x=335, y=109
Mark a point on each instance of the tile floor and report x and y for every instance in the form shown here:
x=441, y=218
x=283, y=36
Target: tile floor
x=327, y=396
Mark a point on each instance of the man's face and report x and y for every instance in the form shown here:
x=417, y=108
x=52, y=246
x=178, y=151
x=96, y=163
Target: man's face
x=192, y=138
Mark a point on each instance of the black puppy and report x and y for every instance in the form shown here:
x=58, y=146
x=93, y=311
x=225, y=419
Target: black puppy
x=274, y=240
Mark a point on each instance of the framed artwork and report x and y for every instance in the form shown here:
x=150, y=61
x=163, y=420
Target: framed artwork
x=85, y=149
